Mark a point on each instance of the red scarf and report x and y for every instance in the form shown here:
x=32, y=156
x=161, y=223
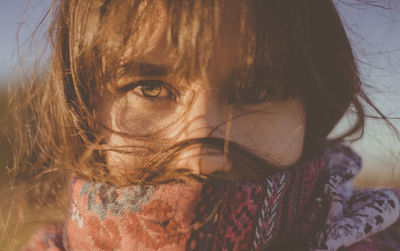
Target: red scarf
x=309, y=206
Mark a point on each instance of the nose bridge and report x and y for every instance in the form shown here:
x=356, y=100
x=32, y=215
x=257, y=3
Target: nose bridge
x=205, y=118
x=206, y=114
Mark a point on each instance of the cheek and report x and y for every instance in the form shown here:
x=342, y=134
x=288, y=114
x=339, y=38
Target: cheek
x=134, y=121
x=276, y=133
x=141, y=118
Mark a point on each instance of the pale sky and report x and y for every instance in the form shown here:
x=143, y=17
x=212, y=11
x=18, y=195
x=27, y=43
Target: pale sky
x=17, y=15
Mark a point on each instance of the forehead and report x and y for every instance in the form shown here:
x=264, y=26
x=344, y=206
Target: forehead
x=189, y=38
x=185, y=35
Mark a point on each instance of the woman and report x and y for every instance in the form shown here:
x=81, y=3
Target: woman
x=203, y=125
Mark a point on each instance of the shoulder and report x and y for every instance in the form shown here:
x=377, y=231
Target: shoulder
x=388, y=239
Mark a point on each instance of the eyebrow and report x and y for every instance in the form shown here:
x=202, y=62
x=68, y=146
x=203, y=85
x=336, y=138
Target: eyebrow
x=144, y=69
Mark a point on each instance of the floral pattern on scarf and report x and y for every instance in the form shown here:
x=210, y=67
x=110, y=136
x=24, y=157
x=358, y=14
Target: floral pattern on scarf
x=310, y=206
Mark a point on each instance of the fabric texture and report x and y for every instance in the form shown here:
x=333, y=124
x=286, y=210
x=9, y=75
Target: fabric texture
x=309, y=206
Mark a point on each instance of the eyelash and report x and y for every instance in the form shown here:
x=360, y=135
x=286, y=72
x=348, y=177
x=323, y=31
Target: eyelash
x=262, y=95
x=171, y=93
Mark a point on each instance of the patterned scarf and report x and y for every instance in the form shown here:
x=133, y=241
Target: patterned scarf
x=310, y=206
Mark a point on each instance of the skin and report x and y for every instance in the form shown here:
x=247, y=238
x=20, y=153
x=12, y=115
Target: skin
x=200, y=107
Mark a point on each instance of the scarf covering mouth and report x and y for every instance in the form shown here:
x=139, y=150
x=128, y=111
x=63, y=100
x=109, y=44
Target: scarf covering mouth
x=309, y=206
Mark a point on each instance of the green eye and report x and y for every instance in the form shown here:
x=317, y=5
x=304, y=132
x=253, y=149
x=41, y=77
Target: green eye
x=253, y=96
x=151, y=91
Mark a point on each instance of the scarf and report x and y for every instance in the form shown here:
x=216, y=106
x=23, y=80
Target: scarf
x=309, y=206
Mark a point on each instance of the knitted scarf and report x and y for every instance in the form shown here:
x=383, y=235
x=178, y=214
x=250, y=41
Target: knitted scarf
x=309, y=206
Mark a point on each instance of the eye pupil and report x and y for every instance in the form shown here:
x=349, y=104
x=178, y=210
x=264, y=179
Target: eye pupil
x=151, y=91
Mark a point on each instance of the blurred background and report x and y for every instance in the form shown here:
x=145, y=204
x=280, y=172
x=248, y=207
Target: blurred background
x=374, y=31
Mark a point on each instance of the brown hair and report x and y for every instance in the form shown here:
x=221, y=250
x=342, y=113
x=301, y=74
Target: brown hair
x=302, y=45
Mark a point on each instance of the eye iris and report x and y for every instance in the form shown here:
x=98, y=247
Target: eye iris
x=151, y=91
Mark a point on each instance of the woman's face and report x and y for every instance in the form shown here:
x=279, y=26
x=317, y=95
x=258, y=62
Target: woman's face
x=149, y=99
